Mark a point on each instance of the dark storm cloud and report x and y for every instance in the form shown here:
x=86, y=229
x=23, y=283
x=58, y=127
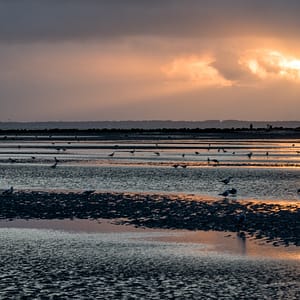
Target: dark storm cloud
x=41, y=20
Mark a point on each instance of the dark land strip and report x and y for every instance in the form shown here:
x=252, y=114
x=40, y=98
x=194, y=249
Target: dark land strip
x=276, y=223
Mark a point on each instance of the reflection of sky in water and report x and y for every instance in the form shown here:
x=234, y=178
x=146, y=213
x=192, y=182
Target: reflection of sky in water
x=143, y=170
x=230, y=243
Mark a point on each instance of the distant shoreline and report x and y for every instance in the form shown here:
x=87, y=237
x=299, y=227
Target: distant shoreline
x=158, y=133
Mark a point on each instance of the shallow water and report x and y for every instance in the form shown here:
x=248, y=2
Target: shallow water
x=60, y=265
x=87, y=165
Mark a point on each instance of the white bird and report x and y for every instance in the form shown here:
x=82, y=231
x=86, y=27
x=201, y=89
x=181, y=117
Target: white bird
x=227, y=180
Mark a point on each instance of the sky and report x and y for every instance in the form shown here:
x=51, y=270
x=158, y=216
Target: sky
x=77, y=60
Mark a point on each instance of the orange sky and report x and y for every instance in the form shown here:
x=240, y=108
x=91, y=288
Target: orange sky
x=236, y=68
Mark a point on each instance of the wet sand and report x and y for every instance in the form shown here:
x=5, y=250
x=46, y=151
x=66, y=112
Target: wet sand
x=274, y=222
x=47, y=264
x=56, y=245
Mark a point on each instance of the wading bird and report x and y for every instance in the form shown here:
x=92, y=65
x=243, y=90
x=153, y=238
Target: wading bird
x=249, y=154
x=226, y=180
x=225, y=193
x=8, y=191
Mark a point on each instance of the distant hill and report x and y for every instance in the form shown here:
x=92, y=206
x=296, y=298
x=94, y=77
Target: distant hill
x=148, y=124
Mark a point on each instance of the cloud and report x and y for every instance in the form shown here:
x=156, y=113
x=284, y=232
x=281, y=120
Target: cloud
x=59, y=20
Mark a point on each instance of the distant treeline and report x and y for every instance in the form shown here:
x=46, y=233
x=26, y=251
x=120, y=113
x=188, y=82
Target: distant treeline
x=97, y=131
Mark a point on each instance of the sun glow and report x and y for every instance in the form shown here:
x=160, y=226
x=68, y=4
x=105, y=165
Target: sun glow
x=271, y=64
x=194, y=71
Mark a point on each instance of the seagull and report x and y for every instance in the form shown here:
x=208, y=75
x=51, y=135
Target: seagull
x=112, y=154
x=249, y=154
x=232, y=191
x=225, y=193
x=8, y=191
x=227, y=180
x=54, y=165
x=88, y=192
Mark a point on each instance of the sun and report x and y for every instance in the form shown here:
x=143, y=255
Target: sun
x=266, y=63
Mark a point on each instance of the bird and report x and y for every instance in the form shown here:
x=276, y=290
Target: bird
x=227, y=180
x=111, y=154
x=225, y=193
x=157, y=153
x=132, y=151
x=32, y=157
x=196, y=152
x=233, y=153
x=183, y=166
x=298, y=191
x=249, y=154
x=215, y=161
x=267, y=153
x=88, y=192
x=55, y=159
x=54, y=165
x=232, y=191
x=183, y=155
x=8, y=191
x=224, y=150
x=175, y=166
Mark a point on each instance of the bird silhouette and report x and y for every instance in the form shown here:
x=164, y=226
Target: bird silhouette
x=196, y=152
x=225, y=193
x=112, y=154
x=226, y=180
x=215, y=161
x=88, y=192
x=232, y=191
x=54, y=165
x=249, y=154
x=8, y=191
x=157, y=153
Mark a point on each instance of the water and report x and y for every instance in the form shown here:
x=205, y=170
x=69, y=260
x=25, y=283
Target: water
x=273, y=171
